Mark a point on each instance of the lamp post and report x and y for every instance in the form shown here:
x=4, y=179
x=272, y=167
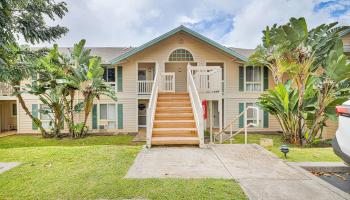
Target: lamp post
x=284, y=149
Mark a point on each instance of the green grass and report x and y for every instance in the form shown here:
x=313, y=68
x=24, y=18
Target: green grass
x=296, y=154
x=85, y=169
x=38, y=141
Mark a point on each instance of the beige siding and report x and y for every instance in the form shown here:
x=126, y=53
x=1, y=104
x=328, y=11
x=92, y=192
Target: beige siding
x=346, y=39
x=25, y=123
x=330, y=129
x=159, y=53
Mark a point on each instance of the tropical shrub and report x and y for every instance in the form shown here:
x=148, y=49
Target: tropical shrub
x=60, y=78
x=310, y=72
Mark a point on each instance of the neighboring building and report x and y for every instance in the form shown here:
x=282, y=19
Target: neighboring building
x=132, y=71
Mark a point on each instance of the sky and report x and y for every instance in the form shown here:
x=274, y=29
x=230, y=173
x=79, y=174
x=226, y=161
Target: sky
x=237, y=23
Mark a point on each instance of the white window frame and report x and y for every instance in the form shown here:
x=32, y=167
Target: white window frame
x=261, y=113
x=113, y=84
x=44, y=121
x=106, y=121
x=253, y=82
x=13, y=110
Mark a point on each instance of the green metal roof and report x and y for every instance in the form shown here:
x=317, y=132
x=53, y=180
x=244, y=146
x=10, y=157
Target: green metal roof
x=172, y=32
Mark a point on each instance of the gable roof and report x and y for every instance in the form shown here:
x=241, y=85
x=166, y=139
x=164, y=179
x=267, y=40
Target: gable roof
x=173, y=32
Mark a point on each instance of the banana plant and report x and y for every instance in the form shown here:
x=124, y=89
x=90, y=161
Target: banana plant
x=314, y=62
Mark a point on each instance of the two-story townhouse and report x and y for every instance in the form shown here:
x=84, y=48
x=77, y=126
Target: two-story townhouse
x=167, y=64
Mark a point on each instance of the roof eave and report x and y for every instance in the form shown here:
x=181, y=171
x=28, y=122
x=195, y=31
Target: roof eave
x=172, y=32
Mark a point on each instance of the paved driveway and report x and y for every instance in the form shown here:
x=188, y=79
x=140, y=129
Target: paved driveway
x=259, y=172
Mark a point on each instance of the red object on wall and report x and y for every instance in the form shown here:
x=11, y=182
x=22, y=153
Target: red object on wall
x=205, y=109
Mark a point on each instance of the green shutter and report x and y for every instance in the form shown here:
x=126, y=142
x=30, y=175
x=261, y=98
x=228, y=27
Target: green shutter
x=35, y=113
x=120, y=78
x=266, y=120
x=266, y=78
x=94, y=116
x=241, y=118
x=120, y=116
x=241, y=78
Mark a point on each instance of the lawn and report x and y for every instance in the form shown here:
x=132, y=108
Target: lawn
x=92, y=168
x=296, y=154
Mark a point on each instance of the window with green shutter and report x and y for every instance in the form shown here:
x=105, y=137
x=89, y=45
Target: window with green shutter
x=120, y=78
x=35, y=112
x=266, y=120
x=241, y=118
x=266, y=78
x=241, y=78
x=120, y=116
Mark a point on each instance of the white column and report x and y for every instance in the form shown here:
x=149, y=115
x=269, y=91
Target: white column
x=211, y=117
x=220, y=114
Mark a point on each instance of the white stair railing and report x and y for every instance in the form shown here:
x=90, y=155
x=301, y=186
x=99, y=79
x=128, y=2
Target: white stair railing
x=220, y=135
x=208, y=80
x=151, y=110
x=196, y=106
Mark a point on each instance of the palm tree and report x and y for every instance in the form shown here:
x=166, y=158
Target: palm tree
x=92, y=86
x=21, y=67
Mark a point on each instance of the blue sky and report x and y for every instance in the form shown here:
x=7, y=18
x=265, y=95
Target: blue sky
x=235, y=23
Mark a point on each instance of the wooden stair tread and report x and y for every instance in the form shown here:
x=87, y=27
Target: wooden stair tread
x=174, y=129
x=174, y=138
x=175, y=141
x=175, y=120
x=173, y=114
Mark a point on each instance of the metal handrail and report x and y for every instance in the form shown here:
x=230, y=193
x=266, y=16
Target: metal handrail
x=230, y=125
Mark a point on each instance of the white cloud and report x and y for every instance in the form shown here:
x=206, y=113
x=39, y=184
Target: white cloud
x=134, y=22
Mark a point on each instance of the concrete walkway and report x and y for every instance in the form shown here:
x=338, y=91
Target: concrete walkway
x=5, y=166
x=260, y=173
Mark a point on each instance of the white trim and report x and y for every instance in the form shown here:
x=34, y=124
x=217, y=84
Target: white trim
x=253, y=82
x=107, y=120
x=181, y=47
x=44, y=120
x=12, y=115
x=106, y=67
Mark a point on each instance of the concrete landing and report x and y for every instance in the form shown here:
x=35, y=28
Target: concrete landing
x=177, y=162
x=261, y=174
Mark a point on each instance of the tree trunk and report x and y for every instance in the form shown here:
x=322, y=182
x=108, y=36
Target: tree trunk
x=36, y=121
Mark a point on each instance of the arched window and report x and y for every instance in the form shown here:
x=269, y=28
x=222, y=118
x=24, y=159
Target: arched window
x=180, y=55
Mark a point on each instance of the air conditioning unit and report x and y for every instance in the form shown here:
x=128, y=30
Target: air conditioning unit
x=103, y=126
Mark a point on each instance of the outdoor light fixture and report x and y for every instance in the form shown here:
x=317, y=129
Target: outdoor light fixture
x=284, y=149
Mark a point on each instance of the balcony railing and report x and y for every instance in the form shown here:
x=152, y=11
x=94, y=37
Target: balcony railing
x=5, y=89
x=145, y=87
